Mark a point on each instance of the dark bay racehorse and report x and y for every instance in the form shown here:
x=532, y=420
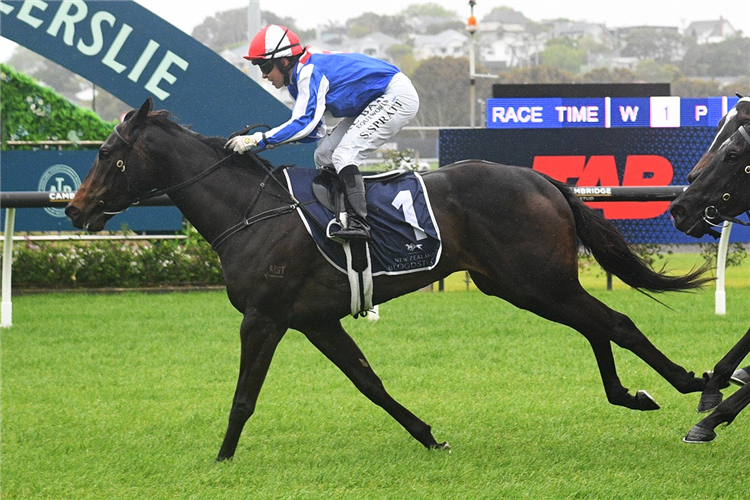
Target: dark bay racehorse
x=514, y=230
x=719, y=192
x=727, y=126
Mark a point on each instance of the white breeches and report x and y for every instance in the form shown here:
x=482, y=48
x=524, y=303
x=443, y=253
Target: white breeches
x=354, y=138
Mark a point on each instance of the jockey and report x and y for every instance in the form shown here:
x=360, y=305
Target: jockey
x=373, y=98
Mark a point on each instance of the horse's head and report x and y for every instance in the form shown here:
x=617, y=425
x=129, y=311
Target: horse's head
x=111, y=186
x=720, y=192
x=739, y=115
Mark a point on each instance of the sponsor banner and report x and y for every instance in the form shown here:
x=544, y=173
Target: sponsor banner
x=132, y=53
x=60, y=174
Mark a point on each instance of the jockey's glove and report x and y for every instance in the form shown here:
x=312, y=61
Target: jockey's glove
x=241, y=143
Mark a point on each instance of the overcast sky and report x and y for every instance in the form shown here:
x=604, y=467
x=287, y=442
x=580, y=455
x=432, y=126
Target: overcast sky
x=186, y=14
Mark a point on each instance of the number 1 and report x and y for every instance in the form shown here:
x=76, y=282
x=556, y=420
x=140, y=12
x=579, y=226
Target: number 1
x=405, y=202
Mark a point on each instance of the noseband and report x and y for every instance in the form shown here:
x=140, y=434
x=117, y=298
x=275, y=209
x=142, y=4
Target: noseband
x=711, y=213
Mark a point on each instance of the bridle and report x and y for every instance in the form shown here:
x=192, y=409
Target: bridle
x=121, y=165
x=711, y=213
x=247, y=221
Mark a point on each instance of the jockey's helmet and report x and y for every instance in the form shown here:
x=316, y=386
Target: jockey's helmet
x=273, y=42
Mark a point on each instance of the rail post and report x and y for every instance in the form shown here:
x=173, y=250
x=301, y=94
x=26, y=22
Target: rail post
x=6, y=320
x=720, y=298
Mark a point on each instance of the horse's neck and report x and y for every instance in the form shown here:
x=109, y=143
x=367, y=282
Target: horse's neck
x=217, y=201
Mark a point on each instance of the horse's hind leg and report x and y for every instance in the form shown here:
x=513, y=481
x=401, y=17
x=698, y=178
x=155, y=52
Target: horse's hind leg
x=259, y=337
x=703, y=431
x=567, y=303
x=340, y=348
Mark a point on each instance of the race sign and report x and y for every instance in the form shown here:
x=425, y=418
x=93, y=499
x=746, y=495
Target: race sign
x=607, y=112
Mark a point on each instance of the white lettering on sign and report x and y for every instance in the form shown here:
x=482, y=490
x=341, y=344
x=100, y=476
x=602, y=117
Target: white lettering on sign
x=629, y=113
x=522, y=114
x=577, y=114
x=103, y=24
x=700, y=112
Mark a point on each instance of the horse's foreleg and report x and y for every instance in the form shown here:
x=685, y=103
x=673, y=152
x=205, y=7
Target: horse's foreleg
x=703, y=431
x=722, y=373
x=340, y=348
x=259, y=338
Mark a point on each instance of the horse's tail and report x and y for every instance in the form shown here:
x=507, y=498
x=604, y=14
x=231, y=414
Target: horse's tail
x=616, y=256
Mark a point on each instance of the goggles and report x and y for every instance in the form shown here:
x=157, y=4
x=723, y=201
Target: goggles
x=265, y=65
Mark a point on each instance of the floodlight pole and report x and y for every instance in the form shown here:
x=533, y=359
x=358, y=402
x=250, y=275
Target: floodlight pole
x=471, y=27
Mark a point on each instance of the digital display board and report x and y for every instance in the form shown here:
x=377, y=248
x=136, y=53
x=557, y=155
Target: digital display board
x=606, y=112
x=599, y=158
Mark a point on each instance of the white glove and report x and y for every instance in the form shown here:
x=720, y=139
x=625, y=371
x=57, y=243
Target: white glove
x=241, y=143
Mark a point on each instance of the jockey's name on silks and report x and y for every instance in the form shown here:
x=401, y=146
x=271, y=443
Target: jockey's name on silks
x=405, y=235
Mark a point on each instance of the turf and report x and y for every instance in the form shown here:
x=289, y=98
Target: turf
x=126, y=396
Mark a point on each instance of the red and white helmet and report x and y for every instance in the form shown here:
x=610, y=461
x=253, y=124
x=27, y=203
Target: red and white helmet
x=272, y=42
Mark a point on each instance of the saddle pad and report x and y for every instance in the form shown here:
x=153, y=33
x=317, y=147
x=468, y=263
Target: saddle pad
x=405, y=236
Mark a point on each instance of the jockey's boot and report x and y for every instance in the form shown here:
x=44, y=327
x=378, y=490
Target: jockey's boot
x=356, y=205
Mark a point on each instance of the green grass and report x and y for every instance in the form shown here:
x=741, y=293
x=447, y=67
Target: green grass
x=127, y=396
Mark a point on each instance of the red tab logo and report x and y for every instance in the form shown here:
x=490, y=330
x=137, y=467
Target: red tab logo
x=640, y=170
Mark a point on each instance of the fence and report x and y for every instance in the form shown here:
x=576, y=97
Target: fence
x=14, y=200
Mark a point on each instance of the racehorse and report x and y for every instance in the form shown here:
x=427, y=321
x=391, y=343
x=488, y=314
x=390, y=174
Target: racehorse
x=728, y=125
x=514, y=230
x=718, y=193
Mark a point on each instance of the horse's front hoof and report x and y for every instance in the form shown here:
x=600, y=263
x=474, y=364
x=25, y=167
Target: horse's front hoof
x=698, y=435
x=645, y=401
x=740, y=377
x=708, y=402
x=444, y=446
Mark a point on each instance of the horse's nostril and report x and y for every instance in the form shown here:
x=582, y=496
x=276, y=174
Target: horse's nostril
x=677, y=211
x=71, y=211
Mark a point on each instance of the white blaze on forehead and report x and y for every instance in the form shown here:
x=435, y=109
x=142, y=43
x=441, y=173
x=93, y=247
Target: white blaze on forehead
x=728, y=119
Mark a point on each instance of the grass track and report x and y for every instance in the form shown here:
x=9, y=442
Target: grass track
x=126, y=396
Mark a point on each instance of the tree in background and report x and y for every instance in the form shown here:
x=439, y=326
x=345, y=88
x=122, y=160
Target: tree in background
x=66, y=83
x=728, y=58
x=443, y=87
x=563, y=54
x=663, y=46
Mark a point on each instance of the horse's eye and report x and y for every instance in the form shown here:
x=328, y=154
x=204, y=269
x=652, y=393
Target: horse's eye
x=731, y=157
x=104, y=154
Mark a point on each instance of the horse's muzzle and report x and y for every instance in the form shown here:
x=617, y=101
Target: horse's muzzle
x=93, y=222
x=692, y=226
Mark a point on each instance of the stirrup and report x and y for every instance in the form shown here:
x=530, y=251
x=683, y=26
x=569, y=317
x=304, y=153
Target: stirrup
x=356, y=230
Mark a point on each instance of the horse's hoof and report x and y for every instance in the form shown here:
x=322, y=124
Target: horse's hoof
x=740, y=377
x=444, y=446
x=645, y=401
x=708, y=402
x=699, y=435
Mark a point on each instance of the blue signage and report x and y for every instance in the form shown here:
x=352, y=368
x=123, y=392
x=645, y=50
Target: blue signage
x=60, y=173
x=606, y=112
x=133, y=54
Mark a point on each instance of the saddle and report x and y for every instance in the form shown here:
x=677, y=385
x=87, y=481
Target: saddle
x=405, y=236
x=329, y=192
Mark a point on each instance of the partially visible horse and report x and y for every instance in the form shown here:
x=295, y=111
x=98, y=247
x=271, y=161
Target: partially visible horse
x=516, y=232
x=728, y=125
x=719, y=193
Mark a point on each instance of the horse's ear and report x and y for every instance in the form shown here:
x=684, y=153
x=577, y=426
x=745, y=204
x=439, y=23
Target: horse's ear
x=142, y=113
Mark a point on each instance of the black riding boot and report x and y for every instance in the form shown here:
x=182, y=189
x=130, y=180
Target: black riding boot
x=354, y=189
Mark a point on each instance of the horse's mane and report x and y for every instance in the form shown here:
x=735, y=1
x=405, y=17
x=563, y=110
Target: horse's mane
x=167, y=121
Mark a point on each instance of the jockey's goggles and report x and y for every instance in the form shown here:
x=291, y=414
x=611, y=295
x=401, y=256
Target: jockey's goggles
x=265, y=65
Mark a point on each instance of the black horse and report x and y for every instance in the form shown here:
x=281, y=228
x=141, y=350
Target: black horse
x=514, y=230
x=719, y=192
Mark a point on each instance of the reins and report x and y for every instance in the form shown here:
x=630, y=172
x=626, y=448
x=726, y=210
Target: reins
x=247, y=220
